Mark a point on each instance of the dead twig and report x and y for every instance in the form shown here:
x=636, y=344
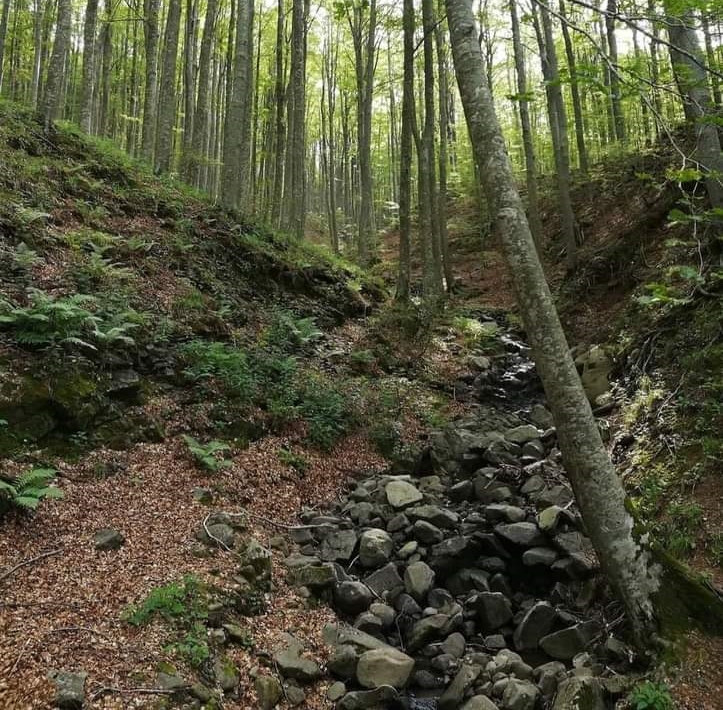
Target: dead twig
x=109, y=689
x=29, y=561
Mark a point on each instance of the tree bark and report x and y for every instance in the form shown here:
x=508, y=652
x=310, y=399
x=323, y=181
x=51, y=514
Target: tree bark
x=597, y=488
x=150, y=91
x=3, y=34
x=167, y=98
x=615, y=95
x=56, y=68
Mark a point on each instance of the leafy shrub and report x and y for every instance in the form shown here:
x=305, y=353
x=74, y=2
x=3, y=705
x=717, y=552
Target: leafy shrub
x=327, y=411
x=32, y=487
x=294, y=460
x=209, y=456
x=51, y=321
x=290, y=334
x=475, y=333
x=24, y=257
x=651, y=696
x=183, y=605
x=223, y=362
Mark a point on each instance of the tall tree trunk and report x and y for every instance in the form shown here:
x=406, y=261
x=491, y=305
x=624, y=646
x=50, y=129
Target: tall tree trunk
x=443, y=76
x=56, y=68
x=710, y=56
x=533, y=207
x=235, y=143
x=88, y=80
x=189, y=79
x=200, y=123
x=279, y=125
x=131, y=132
x=689, y=67
x=167, y=97
x=575, y=93
x=3, y=34
x=597, y=488
x=558, y=128
x=615, y=89
x=106, y=66
x=150, y=91
x=37, y=50
x=329, y=72
x=405, y=155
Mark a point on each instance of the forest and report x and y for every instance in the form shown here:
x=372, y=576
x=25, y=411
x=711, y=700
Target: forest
x=361, y=355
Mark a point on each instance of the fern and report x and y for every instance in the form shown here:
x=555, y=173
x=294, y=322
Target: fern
x=30, y=488
x=210, y=455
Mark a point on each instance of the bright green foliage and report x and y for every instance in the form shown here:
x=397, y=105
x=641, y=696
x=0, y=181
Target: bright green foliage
x=24, y=257
x=651, y=696
x=183, y=605
x=51, y=321
x=32, y=487
x=326, y=410
x=678, y=532
x=475, y=333
x=209, y=456
x=171, y=601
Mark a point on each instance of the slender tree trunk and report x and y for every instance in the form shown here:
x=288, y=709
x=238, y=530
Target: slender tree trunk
x=597, y=488
x=106, y=66
x=443, y=72
x=56, y=69
x=615, y=89
x=558, y=127
x=37, y=50
x=3, y=34
x=131, y=132
x=689, y=67
x=405, y=155
x=87, y=89
x=150, y=92
x=710, y=56
x=167, y=98
x=280, y=127
x=189, y=79
x=329, y=69
x=533, y=207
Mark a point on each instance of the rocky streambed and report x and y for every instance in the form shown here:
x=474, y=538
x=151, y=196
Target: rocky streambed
x=464, y=578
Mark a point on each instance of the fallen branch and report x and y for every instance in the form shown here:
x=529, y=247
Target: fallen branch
x=106, y=689
x=27, y=562
x=246, y=513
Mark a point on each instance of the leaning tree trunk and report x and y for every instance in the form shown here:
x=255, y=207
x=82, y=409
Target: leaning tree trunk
x=56, y=68
x=597, y=488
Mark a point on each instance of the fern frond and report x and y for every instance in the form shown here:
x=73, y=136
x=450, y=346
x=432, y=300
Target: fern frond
x=26, y=502
x=35, y=478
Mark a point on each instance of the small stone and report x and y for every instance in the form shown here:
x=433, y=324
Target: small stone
x=236, y=634
x=170, y=681
x=338, y=546
x=369, y=699
x=454, y=645
x=226, y=674
x=217, y=535
x=453, y=696
x=343, y=662
x=69, y=689
x=203, y=495
x=498, y=512
x=408, y=549
x=336, y=691
x=461, y=491
x=479, y=702
x=427, y=533
x=521, y=534
x=269, y=691
x=352, y=598
x=294, y=694
x=522, y=434
x=426, y=630
x=384, y=666
x=385, y=579
x=315, y=576
x=539, y=556
x=401, y=494
x=495, y=642
x=439, y=517
x=375, y=548
x=418, y=580
x=108, y=539
x=493, y=609
x=564, y=645
x=541, y=417
x=292, y=664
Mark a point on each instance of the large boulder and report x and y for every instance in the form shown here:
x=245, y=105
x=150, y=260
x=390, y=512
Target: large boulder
x=352, y=598
x=255, y=564
x=536, y=623
x=292, y=664
x=69, y=689
x=384, y=666
x=564, y=645
x=521, y=534
x=338, y=546
x=493, y=609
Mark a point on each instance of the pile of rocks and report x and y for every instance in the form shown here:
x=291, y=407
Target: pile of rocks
x=470, y=586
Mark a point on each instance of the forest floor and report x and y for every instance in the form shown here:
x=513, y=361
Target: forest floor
x=64, y=604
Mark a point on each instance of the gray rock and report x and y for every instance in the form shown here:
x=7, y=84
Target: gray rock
x=255, y=564
x=418, y=580
x=342, y=662
x=314, y=576
x=498, y=512
x=548, y=675
x=338, y=546
x=541, y=417
x=479, y=702
x=519, y=695
x=172, y=682
x=536, y=623
x=385, y=579
x=384, y=666
x=461, y=491
x=439, y=517
x=203, y=495
x=226, y=674
x=428, y=680
x=397, y=523
x=217, y=535
x=493, y=610
x=427, y=533
x=578, y=692
x=522, y=434
x=378, y=699
x=401, y=494
x=336, y=691
x=384, y=613
x=408, y=549
x=370, y=624
x=236, y=634
x=426, y=630
x=454, y=645
x=352, y=598
x=375, y=548
x=288, y=657
x=452, y=698
x=294, y=694
x=495, y=642
x=69, y=689
x=343, y=634
x=268, y=690
x=108, y=539
x=521, y=534
x=594, y=366
x=534, y=450
x=539, y=556
x=566, y=644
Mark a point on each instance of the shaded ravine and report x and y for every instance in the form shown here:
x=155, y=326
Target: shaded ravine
x=462, y=576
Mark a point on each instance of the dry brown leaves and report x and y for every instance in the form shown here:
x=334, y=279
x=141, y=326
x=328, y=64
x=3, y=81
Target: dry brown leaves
x=65, y=611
